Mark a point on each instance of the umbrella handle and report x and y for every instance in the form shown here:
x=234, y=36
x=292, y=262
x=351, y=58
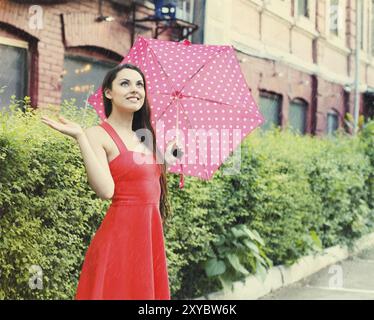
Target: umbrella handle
x=181, y=176
x=181, y=181
x=177, y=126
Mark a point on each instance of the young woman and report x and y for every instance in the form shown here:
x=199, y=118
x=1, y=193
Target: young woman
x=126, y=258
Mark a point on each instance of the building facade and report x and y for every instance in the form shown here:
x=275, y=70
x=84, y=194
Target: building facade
x=298, y=56
x=52, y=50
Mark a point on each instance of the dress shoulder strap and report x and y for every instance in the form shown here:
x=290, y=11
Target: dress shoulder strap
x=116, y=138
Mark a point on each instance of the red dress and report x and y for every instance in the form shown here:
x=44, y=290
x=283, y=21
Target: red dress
x=126, y=258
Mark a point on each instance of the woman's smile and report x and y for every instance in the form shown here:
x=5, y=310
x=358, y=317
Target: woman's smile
x=133, y=99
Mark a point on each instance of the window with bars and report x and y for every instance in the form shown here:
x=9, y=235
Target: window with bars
x=270, y=107
x=334, y=17
x=184, y=10
x=303, y=8
x=332, y=123
x=297, y=116
x=82, y=76
x=13, y=74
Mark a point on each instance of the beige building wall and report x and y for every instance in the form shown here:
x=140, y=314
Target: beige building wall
x=273, y=30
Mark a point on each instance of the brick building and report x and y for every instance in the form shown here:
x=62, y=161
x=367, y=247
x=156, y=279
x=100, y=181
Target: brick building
x=53, y=50
x=297, y=55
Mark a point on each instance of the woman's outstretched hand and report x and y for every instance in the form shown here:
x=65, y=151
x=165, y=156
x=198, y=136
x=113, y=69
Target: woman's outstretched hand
x=65, y=126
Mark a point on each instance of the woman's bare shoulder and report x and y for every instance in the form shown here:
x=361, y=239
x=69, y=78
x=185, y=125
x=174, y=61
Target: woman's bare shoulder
x=93, y=129
x=95, y=133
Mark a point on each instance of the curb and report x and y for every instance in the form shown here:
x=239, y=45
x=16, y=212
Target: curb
x=251, y=288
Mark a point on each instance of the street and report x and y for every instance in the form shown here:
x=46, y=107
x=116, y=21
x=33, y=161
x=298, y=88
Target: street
x=352, y=279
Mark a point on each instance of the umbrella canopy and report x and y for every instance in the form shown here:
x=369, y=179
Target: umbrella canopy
x=198, y=94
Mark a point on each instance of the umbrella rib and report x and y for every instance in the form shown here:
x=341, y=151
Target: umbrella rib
x=158, y=62
x=184, y=109
x=167, y=77
x=204, y=165
x=222, y=50
x=199, y=98
x=179, y=101
x=168, y=106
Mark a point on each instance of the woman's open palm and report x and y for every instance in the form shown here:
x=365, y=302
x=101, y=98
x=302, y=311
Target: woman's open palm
x=65, y=126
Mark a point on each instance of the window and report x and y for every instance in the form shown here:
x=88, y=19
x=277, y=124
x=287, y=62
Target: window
x=303, y=8
x=184, y=10
x=368, y=105
x=13, y=74
x=270, y=107
x=334, y=17
x=82, y=76
x=199, y=20
x=305, y=12
x=332, y=123
x=362, y=29
x=297, y=116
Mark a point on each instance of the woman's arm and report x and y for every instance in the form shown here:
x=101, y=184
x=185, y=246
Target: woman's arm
x=96, y=163
x=93, y=153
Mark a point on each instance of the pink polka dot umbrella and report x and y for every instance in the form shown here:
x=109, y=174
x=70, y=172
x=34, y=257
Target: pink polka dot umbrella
x=198, y=94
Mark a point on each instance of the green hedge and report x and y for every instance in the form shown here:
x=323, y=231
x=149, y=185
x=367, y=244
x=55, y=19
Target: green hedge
x=293, y=196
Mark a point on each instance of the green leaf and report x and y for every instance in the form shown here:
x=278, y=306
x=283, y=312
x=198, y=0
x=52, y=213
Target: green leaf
x=234, y=261
x=220, y=241
x=258, y=238
x=252, y=246
x=214, y=267
x=259, y=258
x=316, y=239
x=253, y=235
x=237, y=232
x=226, y=282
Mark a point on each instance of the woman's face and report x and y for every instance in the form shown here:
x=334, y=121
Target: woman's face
x=127, y=91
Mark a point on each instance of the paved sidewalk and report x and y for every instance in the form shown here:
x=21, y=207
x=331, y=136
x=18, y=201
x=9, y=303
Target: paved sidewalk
x=352, y=279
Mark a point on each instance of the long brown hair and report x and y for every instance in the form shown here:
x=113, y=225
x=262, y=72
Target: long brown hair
x=141, y=120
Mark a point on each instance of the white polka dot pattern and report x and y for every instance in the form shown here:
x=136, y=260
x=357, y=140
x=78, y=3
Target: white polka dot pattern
x=205, y=83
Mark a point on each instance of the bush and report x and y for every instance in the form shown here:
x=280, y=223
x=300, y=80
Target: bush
x=292, y=196
x=48, y=212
